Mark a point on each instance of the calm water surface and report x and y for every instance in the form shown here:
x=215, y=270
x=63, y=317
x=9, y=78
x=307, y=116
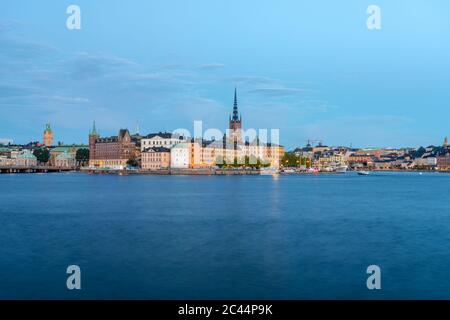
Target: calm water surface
x=187, y=237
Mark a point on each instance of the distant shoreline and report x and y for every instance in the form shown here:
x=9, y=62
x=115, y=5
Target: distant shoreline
x=195, y=172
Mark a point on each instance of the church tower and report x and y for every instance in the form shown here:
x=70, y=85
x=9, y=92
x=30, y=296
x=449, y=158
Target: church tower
x=93, y=136
x=48, y=135
x=235, y=121
x=446, y=142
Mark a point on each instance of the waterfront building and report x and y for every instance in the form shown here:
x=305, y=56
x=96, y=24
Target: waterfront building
x=360, y=158
x=65, y=160
x=6, y=161
x=268, y=153
x=210, y=153
x=187, y=155
x=443, y=162
x=161, y=139
x=25, y=159
x=331, y=159
x=48, y=136
x=155, y=158
x=383, y=164
x=113, y=152
x=427, y=161
x=215, y=153
x=69, y=149
x=180, y=156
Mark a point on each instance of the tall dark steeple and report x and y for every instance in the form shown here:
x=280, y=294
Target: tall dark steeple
x=235, y=106
x=235, y=120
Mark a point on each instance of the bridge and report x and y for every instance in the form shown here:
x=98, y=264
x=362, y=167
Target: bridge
x=34, y=169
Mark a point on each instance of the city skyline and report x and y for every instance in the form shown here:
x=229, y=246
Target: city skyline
x=128, y=65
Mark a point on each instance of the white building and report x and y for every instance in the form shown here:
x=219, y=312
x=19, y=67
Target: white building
x=5, y=161
x=65, y=159
x=161, y=139
x=180, y=155
x=426, y=162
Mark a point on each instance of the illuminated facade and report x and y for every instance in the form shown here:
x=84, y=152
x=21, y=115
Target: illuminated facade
x=48, y=135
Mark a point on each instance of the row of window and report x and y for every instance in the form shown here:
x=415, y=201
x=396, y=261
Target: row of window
x=159, y=142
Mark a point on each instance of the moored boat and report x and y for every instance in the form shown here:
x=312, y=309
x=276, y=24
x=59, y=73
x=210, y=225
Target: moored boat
x=341, y=169
x=268, y=171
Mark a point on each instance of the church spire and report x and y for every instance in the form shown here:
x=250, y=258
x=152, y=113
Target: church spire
x=94, y=130
x=235, y=106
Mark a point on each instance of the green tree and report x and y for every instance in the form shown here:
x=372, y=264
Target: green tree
x=42, y=155
x=132, y=162
x=290, y=160
x=82, y=155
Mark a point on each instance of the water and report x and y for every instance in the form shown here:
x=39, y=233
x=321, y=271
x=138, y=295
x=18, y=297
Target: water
x=240, y=237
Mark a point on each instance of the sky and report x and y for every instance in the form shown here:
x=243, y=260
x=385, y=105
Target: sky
x=311, y=69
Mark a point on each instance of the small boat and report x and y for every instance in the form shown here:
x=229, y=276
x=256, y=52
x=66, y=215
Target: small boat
x=268, y=171
x=363, y=173
x=341, y=169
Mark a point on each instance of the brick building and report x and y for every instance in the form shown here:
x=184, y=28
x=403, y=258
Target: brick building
x=113, y=152
x=443, y=162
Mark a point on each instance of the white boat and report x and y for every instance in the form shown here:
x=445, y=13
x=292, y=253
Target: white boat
x=268, y=171
x=363, y=173
x=341, y=169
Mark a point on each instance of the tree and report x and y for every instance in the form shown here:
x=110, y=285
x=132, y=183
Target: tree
x=132, y=162
x=290, y=160
x=82, y=155
x=42, y=155
x=419, y=153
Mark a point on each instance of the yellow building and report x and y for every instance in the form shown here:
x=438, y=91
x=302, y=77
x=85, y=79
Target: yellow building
x=48, y=135
x=155, y=158
x=332, y=159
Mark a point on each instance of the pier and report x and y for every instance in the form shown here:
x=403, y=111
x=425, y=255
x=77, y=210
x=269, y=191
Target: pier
x=34, y=169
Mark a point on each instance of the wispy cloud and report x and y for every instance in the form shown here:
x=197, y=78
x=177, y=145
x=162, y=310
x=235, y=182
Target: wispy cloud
x=211, y=66
x=277, y=91
x=14, y=47
x=70, y=99
x=251, y=80
x=85, y=65
x=12, y=91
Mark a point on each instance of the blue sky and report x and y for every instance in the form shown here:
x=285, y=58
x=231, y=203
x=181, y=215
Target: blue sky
x=311, y=69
